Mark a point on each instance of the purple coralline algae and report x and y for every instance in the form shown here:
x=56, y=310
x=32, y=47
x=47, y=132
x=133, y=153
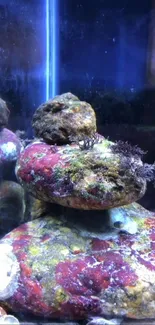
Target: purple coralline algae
x=68, y=272
x=84, y=179
x=69, y=263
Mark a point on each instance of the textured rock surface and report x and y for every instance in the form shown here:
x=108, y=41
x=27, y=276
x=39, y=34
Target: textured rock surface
x=84, y=179
x=9, y=319
x=2, y=312
x=10, y=146
x=69, y=270
x=4, y=114
x=144, y=137
x=37, y=208
x=64, y=118
x=12, y=206
x=9, y=272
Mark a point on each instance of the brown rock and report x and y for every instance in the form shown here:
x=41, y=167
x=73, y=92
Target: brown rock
x=64, y=119
x=4, y=113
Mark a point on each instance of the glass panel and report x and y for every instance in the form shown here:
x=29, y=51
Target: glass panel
x=75, y=246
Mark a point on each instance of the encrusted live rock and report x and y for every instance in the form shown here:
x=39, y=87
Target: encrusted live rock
x=12, y=206
x=10, y=146
x=9, y=271
x=2, y=312
x=82, y=179
x=67, y=269
x=127, y=152
x=64, y=119
x=127, y=149
x=71, y=263
x=88, y=143
x=9, y=319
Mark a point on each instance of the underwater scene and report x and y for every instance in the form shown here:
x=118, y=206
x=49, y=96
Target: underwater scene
x=77, y=162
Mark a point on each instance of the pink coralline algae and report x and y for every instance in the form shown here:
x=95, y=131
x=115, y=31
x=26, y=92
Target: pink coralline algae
x=69, y=263
x=65, y=272
x=82, y=179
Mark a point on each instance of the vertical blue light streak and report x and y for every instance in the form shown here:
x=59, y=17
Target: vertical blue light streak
x=47, y=52
x=52, y=48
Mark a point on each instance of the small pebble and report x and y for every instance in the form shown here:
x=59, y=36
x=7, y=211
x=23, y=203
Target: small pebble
x=2, y=312
x=9, y=319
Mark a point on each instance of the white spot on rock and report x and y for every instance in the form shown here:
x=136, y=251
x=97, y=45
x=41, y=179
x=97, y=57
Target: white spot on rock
x=9, y=150
x=126, y=223
x=9, y=272
x=9, y=319
x=102, y=321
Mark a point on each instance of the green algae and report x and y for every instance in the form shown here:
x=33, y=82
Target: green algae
x=138, y=220
x=34, y=250
x=60, y=297
x=65, y=230
x=57, y=252
x=83, y=164
x=39, y=155
x=58, y=173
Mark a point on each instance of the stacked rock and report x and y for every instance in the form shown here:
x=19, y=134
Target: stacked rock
x=11, y=193
x=10, y=145
x=63, y=119
x=70, y=164
x=96, y=257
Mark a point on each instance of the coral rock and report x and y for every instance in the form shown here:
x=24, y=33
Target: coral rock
x=9, y=319
x=64, y=118
x=4, y=114
x=68, y=271
x=9, y=271
x=82, y=179
x=37, y=208
x=12, y=205
x=2, y=312
x=10, y=147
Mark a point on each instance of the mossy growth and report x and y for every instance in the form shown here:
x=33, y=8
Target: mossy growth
x=84, y=162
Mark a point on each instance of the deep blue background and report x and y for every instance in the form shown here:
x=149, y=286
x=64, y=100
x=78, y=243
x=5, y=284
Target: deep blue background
x=103, y=46
x=104, y=43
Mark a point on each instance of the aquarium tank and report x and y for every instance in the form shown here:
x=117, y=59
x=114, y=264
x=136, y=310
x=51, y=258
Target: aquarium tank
x=77, y=162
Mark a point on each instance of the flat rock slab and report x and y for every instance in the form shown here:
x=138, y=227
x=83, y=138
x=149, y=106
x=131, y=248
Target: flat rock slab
x=67, y=271
x=84, y=179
